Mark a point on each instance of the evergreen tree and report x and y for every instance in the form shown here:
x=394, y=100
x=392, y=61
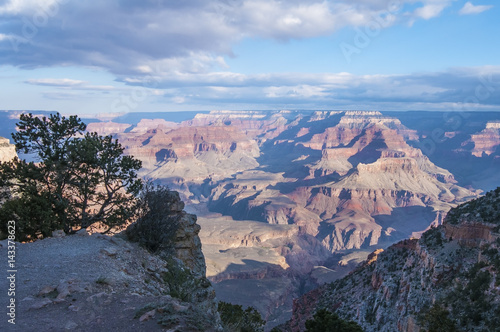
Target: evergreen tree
x=76, y=179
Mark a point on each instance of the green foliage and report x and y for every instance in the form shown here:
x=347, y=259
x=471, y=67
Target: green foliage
x=157, y=223
x=181, y=281
x=235, y=319
x=470, y=300
x=325, y=321
x=433, y=238
x=478, y=285
x=437, y=320
x=79, y=179
x=484, y=209
x=34, y=216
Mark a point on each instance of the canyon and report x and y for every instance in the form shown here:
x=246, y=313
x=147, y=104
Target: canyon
x=290, y=200
x=449, y=277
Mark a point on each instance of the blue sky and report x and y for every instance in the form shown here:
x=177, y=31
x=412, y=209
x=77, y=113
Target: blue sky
x=88, y=57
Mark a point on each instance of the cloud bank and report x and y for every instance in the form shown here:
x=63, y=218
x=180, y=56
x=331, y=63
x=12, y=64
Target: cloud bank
x=136, y=37
x=176, y=51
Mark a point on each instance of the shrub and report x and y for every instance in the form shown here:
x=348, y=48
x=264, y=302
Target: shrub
x=158, y=218
x=433, y=238
x=235, y=319
x=437, y=320
x=325, y=321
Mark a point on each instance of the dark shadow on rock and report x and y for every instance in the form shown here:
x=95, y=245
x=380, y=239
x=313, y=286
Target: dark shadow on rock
x=239, y=210
x=370, y=154
x=404, y=221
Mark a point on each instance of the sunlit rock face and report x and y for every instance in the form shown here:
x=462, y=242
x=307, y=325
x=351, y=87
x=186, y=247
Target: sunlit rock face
x=7, y=150
x=487, y=141
x=107, y=128
x=361, y=183
x=349, y=179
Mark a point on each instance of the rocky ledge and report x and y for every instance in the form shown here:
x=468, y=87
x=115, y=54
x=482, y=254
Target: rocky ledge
x=100, y=283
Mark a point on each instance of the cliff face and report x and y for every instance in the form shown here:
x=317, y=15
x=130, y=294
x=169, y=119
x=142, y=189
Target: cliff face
x=100, y=283
x=189, y=155
x=107, y=128
x=487, y=140
x=454, y=268
x=7, y=150
x=366, y=180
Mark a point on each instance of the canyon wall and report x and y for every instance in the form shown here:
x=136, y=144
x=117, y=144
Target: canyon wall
x=452, y=271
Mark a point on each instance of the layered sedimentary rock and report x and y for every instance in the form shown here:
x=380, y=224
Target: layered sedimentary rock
x=107, y=128
x=447, y=279
x=257, y=125
x=367, y=178
x=487, y=141
x=341, y=180
x=190, y=154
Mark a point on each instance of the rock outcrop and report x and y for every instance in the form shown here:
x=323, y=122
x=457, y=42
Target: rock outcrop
x=100, y=283
x=487, y=141
x=366, y=179
x=190, y=155
x=7, y=150
x=453, y=270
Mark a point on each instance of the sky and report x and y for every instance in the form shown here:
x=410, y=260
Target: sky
x=99, y=57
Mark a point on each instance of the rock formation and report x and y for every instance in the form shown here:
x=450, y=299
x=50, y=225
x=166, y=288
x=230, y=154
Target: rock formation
x=366, y=179
x=100, y=283
x=453, y=270
x=343, y=180
x=487, y=140
x=191, y=154
x=107, y=128
x=7, y=150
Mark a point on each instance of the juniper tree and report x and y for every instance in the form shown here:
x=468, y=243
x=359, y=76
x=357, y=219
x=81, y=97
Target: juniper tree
x=77, y=178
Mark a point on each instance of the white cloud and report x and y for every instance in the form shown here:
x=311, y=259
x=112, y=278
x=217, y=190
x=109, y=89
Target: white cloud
x=293, y=92
x=176, y=49
x=129, y=37
x=430, y=9
x=240, y=91
x=178, y=100
x=469, y=8
x=456, y=88
x=55, y=82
